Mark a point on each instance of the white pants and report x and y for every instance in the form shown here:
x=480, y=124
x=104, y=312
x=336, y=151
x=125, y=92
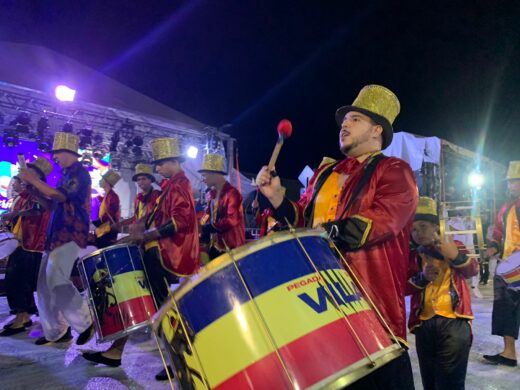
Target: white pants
x=59, y=302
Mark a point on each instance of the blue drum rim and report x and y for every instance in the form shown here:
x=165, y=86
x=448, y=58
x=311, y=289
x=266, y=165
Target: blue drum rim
x=100, y=251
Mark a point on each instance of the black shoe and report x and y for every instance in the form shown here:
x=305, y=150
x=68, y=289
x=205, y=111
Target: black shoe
x=66, y=337
x=12, y=331
x=86, y=335
x=97, y=357
x=499, y=359
x=162, y=376
x=26, y=324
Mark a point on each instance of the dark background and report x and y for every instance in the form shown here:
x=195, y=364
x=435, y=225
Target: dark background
x=454, y=65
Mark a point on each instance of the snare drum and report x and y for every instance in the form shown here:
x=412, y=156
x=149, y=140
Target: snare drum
x=8, y=244
x=263, y=317
x=509, y=270
x=119, y=294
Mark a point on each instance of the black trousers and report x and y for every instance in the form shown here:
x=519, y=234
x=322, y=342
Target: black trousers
x=443, y=346
x=484, y=271
x=21, y=275
x=158, y=277
x=395, y=375
x=505, y=320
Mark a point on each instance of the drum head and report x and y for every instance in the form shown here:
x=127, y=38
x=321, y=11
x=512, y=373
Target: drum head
x=8, y=244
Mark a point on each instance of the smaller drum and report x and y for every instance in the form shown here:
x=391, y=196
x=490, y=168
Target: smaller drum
x=509, y=270
x=8, y=244
x=120, y=298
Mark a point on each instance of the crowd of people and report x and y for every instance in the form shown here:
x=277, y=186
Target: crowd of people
x=367, y=204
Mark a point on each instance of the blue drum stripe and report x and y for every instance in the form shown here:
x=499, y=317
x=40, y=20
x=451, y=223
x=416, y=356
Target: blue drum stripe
x=263, y=270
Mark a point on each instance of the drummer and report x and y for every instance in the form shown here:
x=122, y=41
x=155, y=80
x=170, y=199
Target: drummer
x=23, y=264
x=366, y=204
x=223, y=225
x=169, y=235
x=506, y=304
x=109, y=211
x=144, y=201
x=60, y=305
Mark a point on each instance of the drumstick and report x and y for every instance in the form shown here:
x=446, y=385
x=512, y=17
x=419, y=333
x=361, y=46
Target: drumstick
x=284, y=131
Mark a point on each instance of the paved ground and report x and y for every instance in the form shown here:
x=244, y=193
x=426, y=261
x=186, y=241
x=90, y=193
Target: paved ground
x=24, y=365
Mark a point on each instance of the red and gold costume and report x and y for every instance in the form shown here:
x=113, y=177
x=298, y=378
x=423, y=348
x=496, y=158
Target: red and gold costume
x=109, y=214
x=144, y=204
x=374, y=231
x=225, y=213
x=31, y=230
x=175, y=206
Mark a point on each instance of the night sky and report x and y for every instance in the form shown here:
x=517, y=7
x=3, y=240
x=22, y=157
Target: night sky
x=455, y=69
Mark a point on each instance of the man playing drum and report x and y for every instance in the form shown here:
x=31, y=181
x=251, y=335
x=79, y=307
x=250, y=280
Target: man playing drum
x=506, y=304
x=109, y=211
x=59, y=302
x=23, y=264
x=169, y=235
x=366, y=203
x=223, y=223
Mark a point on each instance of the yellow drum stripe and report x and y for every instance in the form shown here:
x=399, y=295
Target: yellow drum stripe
x=130, y=285
x=238, y=339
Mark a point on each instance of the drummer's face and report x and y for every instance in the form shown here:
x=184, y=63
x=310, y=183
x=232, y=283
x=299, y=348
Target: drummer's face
x=144, y=183
x=208, y=178
x=167, y=168
x=424, y=232
x=357, y=133
x=513, y=186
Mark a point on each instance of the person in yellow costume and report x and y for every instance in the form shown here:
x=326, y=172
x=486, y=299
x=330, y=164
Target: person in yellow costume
x=505, y=320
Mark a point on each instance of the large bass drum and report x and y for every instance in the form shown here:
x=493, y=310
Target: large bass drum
x=280, y=312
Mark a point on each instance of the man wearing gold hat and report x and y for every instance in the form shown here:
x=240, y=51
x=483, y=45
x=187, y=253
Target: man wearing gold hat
x=223, y=225
x=366, y=203
x=440, y=308
x=505, y=320
x=60, y=305
x=169, y=235
x=144, y=201
x=109, y=211
x=24, y=263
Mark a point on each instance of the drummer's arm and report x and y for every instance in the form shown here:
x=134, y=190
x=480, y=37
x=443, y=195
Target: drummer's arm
x=48, y=191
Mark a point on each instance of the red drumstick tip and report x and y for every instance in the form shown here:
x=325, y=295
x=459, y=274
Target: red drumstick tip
x=285, y=128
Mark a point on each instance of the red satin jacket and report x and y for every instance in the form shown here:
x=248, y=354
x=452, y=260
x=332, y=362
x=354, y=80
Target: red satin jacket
x=462, y=268
x=112, y=211
x=387, y=206
x=179, y=252
x=144, y=205
x=34, y=228
x=228, y=218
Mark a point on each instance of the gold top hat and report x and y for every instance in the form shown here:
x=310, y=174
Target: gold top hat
x=42, y=165
x=513, y=171
x=213, y=163
x=143, y=170
x=111, y=177
x=427, y=210
x=165, y=149
x=380, y=104
x=65, y=142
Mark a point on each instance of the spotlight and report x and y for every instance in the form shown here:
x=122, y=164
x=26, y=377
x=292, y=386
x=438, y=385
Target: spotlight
x=98, y=139
x=64, y=93
x=67, y=128
x=137, y=151
x=137, y=140
x=42, y=126
x=476, y=180
x=10, y=138
x=114, y=140
x=192, y=152
x=45, y=145
x=23, y=118
x=129, y=144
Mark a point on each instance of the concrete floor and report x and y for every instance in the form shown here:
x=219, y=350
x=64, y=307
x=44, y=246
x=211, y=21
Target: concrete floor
x=24, y=365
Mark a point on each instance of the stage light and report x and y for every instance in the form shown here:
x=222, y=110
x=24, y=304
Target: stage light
x=137, y=151
x=192, y=152
x=114, y=140
x=23, y=118
x=137, y=140
x=45, y=145
x=64, y=93
x=10, y=138
x=475, y=179
x=98, y=139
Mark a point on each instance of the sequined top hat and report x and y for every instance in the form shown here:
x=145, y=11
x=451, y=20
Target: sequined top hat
x=143, y=170
x=166, y=149
x=111, y=177
x=213, y=163
x=377, y=102
x=427, y=210
x=65, y=142
x=513, y=171
x=42, y=166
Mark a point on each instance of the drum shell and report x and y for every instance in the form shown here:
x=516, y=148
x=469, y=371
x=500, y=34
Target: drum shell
x=8, y=244
x=509, y=270
x=290, y=331
x=119, y=294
